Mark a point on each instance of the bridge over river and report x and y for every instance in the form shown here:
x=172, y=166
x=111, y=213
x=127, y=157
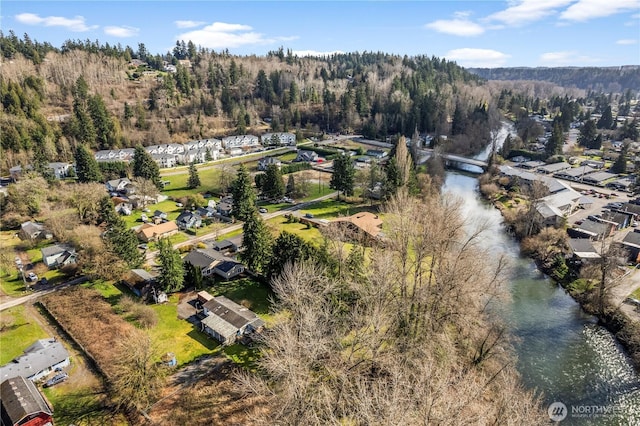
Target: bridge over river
x=452, y=160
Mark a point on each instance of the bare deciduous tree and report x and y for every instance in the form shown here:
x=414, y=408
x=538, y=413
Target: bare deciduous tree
x=411, y=343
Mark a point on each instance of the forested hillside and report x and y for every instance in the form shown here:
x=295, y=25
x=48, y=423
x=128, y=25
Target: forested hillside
x=109, y=96
x=599, y=79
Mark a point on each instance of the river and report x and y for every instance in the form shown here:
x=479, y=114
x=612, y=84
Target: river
x=562, y=352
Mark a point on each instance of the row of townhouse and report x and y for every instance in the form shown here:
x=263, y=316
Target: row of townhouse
x=58, y=170
x=279, y=138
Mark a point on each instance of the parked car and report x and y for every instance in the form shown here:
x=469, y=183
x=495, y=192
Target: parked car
x=179, y=205
x=143, y=246
x=58, y=378
x=43, y=281
x=309, y=216
x=262, y=210
x=32, y=277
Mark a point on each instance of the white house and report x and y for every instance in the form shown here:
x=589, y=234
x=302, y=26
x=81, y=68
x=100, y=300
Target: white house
x=279, y=138
x=240, y=141
x=125, y=154
x=37, y=361
x=227, y=321
x=58, y=255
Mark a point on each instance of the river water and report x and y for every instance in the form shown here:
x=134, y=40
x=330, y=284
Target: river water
x=562, y=352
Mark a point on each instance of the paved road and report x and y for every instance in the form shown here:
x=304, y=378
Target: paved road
x=38, y=293
x=150, y=256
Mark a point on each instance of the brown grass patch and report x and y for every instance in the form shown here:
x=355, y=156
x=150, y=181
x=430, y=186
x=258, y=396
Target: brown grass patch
x=91, y=321
x=213, y=400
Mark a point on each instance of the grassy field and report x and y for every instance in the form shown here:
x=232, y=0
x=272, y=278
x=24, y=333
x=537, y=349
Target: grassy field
x=247, y=292
x=636, y=294
x=17, y=332
x=176, y=335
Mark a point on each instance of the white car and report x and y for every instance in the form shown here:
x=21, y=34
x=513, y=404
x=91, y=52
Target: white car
x=262, y=210
x=32, y=277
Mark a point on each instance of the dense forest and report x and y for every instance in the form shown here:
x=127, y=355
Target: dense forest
x=599, y=79
x=106, y=96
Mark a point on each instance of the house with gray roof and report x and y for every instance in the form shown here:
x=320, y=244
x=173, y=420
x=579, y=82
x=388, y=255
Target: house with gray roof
x=593, y=229
x=37, y=361
x=582, y=249
x=227, y=321
x=279, y=138
x=552, y=168
x=58, y=255
x=598, y=178
x=32, y=231
x=631, y=243
x=22, y=404
x=265, y=162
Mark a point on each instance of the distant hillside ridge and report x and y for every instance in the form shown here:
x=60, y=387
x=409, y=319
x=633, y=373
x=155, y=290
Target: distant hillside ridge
x=600, y=79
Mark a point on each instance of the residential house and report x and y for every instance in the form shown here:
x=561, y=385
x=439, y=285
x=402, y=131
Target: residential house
x=234, y=152
x=125, y=155
x=198, y=156
x=378, y=154
x=37, y=361
x=240, y=141
x=552, y=168
x=58, y=255
x=228, y=269
x=204, y=259
x=531, y=165
x=32, y=231
x=213, y=145
x=279, y=138
x=139, y=281
x=306, y=156
x=160, y=214
x=22, y=404
x=265, y=162
x=122, y=206
x=619, y=220
x=631, y=243
x=60, y=170
x=118, y=185
x=582, y=250
x=189, y=220
x=624, y=184
x=225, y=246
x=360, y=226
x=596, y=230
x=16, y=171
x=593, y=164
x=224, y=208
x=575, y=174
x=150, y=232
x=227, y=321
x=165, y=161
x=598, y=178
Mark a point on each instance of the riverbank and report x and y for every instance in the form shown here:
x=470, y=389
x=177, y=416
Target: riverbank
x=624, y=328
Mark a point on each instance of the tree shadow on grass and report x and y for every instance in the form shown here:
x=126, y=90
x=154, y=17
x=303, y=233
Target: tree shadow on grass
x=83, y=408
x=203, y=339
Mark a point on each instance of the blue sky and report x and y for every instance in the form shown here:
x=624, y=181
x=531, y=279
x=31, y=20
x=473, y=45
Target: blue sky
x=473, y=33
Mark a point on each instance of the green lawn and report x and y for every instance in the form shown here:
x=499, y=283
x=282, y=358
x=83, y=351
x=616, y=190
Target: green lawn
x=247, y=292
x=636, y=294
x=172, y=334
x=244, y=356
x=17, y=333
x=81, y=406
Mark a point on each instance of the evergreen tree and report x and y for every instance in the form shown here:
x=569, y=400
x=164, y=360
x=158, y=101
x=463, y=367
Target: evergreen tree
x=171, y=278
x=256, y=243
x=459, y=121
x=291, y=185
x=144, y=166
x=343, y=175
x=87, y=168
x=606, y=120
x=102, y=122
x=244, y=197
x=588, y=135
x=288, y=248
x=194, y=178
x=273, y=186
x=620, y=165
x=555, y=142
x=193, y=276
x=120, y=239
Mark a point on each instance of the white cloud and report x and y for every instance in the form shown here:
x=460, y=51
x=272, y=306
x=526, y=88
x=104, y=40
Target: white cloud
x=76, y=24
x=584, y=10
x=189, y=24
x=524, y=11
x=459, y=27
x=482, y=58
x=302, y=53
x=627, y=41
x=567, y=57
x=221, y=35
x=121, y=31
